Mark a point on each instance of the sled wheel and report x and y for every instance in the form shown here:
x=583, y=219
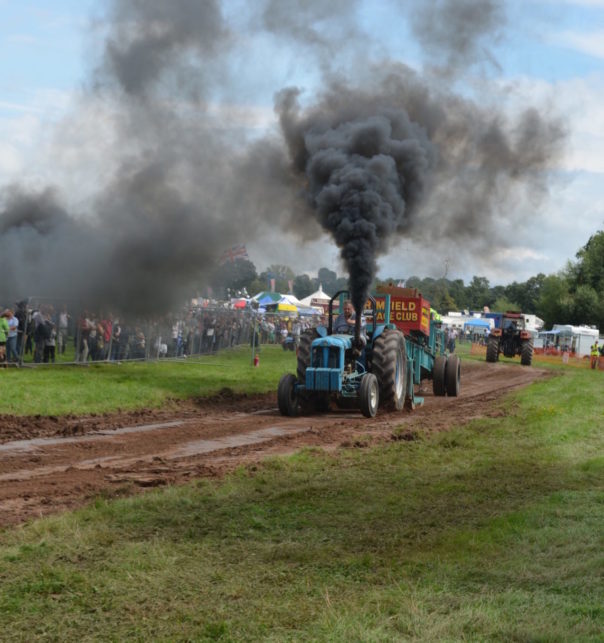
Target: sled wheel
x=453, y=375
x=438, y=375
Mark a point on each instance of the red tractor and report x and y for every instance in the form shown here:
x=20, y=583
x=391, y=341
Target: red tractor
x=511, y=338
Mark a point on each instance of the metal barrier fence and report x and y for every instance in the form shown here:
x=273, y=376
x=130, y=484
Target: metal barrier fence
x=53, y=332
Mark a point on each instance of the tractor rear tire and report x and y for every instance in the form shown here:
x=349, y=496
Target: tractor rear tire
x=306, y=339
x=369, y=395
x=438, y=375
x=493, y=349
x=453, y=375
x=389, y=365
x=287, y=397
x=526, y=353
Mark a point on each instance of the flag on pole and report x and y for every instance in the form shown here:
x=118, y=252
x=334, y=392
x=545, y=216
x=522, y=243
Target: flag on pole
x=234, y=253
x=272, y=285
x=290, y=283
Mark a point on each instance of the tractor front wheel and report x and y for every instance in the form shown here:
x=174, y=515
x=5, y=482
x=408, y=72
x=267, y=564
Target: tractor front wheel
x=369, y=395
x=389, y=364
x=287, y=396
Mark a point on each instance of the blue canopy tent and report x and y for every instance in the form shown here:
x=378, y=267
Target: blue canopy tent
x=267, y=297
x=477, y=325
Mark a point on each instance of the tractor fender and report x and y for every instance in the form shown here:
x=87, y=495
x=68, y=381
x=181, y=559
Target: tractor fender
x=378, y=331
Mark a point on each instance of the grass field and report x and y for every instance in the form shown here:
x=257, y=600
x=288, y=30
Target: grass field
x=489, y=532
x=101, y=387
x=104, y=387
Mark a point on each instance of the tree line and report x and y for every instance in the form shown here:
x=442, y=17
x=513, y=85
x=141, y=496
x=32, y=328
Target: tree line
x=575, y=295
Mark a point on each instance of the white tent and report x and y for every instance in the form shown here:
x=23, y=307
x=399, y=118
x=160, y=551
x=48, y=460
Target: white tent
x=290, y=299
x=318, y=298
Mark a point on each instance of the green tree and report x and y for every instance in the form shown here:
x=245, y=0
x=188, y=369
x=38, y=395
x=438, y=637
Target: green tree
x=478, y=293
x=525, y=294
x=282, y=276
x=446, y=303
x=589, y=270
x=503, y=304
x=586, y=306
x=328, y=280
x=555, y=302
x=457, y=290
x=234, y=276
x=303, y=286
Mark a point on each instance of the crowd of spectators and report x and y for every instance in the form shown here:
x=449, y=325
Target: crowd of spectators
x=47, y=333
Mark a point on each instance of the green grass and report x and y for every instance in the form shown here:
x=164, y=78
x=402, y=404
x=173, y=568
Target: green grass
x=489, y=532
x=97, y=388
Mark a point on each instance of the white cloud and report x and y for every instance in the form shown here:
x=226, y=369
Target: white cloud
x=18, y=107
x=591, y=43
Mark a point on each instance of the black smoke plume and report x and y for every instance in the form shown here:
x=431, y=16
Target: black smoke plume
x=367, y=170
x=398, y=157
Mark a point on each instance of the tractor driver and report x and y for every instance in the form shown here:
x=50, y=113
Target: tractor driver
x=346, y=320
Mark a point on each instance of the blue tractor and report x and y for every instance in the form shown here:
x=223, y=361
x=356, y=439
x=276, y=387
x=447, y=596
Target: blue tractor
x=378, y=371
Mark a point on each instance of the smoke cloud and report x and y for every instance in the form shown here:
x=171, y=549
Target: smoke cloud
x=368, y=161
x=455, y=34
x=400, y=158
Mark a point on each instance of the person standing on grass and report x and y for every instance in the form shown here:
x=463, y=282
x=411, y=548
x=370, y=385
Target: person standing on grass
x=11, y=340
x=63, y=329
x=594, y=354
x=4, y=329
x=21, y=315
x=50, y=342
x=452, y=338
x=39, y=334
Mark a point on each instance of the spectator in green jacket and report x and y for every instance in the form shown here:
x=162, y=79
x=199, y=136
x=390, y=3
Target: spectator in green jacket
x=3, y=337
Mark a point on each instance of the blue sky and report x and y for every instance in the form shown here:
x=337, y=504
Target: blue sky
x=42, y=47
x=550, y=53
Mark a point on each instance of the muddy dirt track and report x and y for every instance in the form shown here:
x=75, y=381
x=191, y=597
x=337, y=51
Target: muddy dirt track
x=49, y=464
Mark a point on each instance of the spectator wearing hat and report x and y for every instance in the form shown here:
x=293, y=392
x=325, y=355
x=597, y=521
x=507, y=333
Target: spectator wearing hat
x=11, y=339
